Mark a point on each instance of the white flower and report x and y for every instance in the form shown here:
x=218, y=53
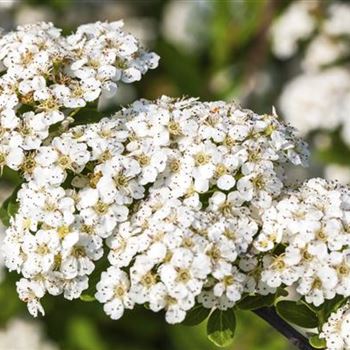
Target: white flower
x=113, y=292
x=184, y=274
x=296, y=24
x=103, y=216
x=336, y=331
x=175, y=308
x=40, y=250
x=124, y=245
x=230, y=282
x=31, y=292
x=210, y=301
x=77, y=260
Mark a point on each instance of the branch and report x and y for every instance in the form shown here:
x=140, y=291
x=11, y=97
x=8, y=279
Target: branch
x=270, y=316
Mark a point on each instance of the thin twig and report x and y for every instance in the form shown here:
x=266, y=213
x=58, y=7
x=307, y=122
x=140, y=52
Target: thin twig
x=269, y=315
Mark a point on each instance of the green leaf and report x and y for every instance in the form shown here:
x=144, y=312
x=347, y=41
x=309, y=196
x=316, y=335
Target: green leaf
x=298, y=314
x=317, y=343
x=221, y=327
x=87, y=116
x=3, y=215
x=196, y=315
x=9, y=208
x=338, y=152
x=256, y=302
x=88, y=298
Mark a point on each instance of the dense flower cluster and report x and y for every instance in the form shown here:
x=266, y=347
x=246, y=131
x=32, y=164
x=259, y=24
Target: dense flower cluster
x=46, y=78
x=336, y=331
x=171, y=186
x=312, y=223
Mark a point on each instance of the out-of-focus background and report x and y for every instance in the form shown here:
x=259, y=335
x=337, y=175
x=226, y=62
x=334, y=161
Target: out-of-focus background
x=294, y=55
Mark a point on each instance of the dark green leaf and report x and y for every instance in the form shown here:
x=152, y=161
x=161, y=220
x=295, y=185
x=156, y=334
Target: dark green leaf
x=281, y=292
x=87, y=116
x=298, y=314
x=221, y=327
x=196, y=315
x=317, y=343
x=256, y=302
x=332, y=305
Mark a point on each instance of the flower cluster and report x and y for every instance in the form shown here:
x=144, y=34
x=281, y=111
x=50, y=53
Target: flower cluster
x=301, y=21
x=295, y=25
x=336, y=331
x=322, y=90
x=174, y=187
x=46, y=78
x=311, y=228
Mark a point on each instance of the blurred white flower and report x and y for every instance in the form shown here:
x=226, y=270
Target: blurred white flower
x=21, y=334
x=317, y=100
x=32, y=14
x=295, y=24
x=338, y=22
x=336, y=172
x=8, y=4
x=183, y=21
x=324, y=50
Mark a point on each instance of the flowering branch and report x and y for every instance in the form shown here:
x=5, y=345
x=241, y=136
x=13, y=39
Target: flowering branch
x=186, y=201
x=269, y=315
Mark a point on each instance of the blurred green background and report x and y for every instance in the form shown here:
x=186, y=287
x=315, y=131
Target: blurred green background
x=214, y=49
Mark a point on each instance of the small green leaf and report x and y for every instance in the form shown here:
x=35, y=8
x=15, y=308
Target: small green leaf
x=317, y=343
x=9, y=208
x=298, y=314
x=3, y=215
x=12, y=207
x=196, y=315
x=87, y=298
x=256, y=302
x=221, y=327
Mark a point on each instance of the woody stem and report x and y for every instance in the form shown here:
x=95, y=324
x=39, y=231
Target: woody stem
x=269, y=315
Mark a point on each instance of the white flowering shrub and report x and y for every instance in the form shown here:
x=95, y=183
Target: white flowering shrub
x=178, y=205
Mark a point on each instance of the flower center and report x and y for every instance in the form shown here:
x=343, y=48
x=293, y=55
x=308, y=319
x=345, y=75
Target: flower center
x=183, y=275
x=119, y=291
x=144, y=160
x=174, y=128
x=201, y=158
x=175, y=166
x=101, y=208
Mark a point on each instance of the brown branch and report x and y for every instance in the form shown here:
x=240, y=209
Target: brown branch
x=269, y=315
